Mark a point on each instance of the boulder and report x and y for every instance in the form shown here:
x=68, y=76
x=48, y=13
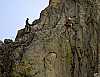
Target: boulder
x=7, y=41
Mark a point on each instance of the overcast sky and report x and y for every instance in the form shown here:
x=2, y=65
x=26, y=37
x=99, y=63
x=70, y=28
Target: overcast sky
x=13, y=14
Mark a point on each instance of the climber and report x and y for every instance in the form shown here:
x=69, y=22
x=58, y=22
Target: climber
x=27, y=23
x=68, y=22
x=27, y=26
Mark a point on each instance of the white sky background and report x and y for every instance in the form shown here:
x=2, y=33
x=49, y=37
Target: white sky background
x=13, y=14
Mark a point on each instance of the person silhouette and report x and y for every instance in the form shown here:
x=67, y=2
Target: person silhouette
x=27, y=23
x=27, y=26
x=68, y=22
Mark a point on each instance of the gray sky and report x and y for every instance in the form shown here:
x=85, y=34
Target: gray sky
x=13, y=14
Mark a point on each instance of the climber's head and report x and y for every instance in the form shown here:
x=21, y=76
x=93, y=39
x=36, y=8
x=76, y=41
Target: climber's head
x=69, y=18
x=27, y=18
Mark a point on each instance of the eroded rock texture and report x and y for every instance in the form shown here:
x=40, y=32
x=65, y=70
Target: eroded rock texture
x=47, y=48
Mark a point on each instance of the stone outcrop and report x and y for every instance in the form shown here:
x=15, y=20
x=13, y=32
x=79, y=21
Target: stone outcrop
x=7, y=41
x=47, y=48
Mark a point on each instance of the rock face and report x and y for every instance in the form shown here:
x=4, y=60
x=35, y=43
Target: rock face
x=47, y=48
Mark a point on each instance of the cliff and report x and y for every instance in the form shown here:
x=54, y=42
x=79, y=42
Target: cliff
x=50, y=47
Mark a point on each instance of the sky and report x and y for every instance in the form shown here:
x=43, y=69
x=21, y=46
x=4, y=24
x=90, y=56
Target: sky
x=13, y=14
